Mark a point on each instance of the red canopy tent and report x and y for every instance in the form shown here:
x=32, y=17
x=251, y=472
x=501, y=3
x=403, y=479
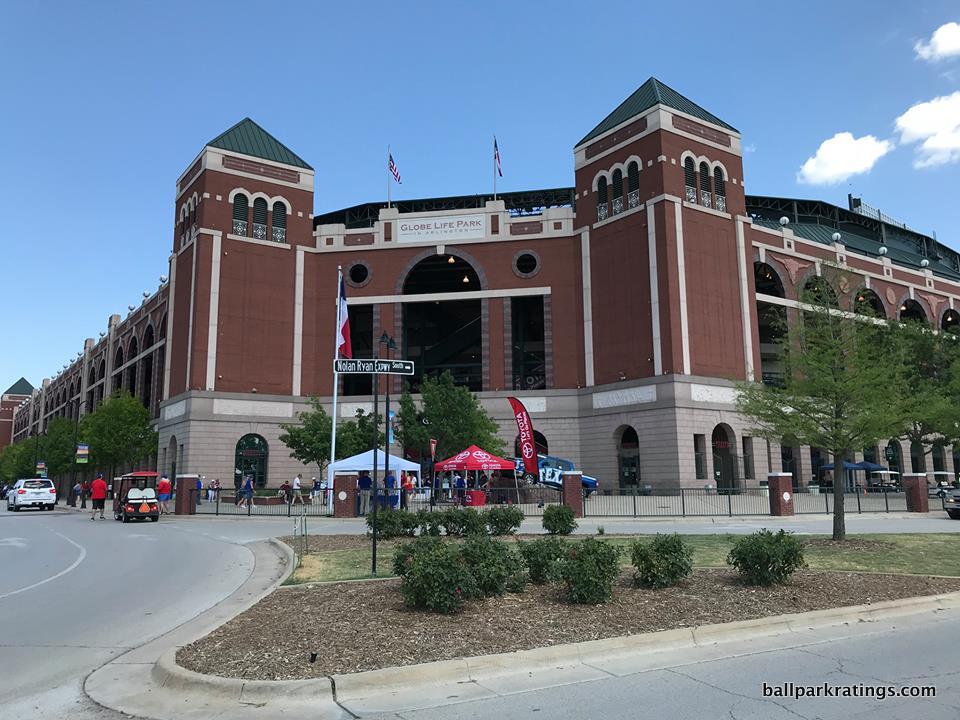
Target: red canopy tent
x=474, y=458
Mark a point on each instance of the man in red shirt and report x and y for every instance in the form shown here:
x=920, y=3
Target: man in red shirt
x=98, y=493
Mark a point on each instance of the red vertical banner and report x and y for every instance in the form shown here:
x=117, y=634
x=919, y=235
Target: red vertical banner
x=528, y=451
x=433, y=448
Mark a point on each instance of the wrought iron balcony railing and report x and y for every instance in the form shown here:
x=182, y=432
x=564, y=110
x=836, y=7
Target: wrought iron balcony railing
x=279, y=235
x=240, y=227
x=721, y=203
x=633, y=199
x=617, y=205
x=706, y=198
x=601, y=212
x=691, y=194
x=259, y=231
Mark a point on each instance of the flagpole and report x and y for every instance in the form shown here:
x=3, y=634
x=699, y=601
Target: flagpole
x=494, y=168
x=388, y=177
x=336, y=389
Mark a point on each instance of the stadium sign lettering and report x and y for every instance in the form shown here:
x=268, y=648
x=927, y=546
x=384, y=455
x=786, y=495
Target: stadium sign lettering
x=456, y=227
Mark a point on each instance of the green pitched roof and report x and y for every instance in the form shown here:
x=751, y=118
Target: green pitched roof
x=652, y=92
x=250, y=139
x=20, y=387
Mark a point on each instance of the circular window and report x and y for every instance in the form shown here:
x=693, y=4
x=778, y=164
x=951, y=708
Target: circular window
x=526, y=263
x=358, y=275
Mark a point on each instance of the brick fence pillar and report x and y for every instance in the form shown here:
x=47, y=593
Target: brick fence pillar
x=573, y=491
x=915, y=486
x=781, y=493
x=185, y=503
x=344, y=496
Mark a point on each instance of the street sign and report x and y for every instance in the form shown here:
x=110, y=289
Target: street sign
x=384, y=367
x=890, y=453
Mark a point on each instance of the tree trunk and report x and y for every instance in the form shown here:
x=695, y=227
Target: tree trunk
x=839, y=483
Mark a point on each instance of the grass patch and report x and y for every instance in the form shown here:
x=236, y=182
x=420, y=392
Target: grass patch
x=907, y=554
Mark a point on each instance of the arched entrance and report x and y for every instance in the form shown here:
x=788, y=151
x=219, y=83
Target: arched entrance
x=251, y=459
x=892, y=455
x=724, y=461
x=939, y=459
x=443, y=335
x=172, y=458
x=788, y=459
x=628, y=458
x=918, y=459
x=539, y=442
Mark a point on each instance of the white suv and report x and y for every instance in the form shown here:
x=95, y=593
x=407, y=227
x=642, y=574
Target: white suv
x=35, y=492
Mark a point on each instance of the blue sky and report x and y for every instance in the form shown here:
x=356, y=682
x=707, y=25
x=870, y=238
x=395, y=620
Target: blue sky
x=104, y=104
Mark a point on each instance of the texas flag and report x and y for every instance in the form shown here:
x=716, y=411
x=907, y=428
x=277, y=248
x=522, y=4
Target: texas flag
x=343, y=325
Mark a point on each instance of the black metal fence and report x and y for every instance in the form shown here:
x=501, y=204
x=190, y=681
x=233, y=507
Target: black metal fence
x=701, y=502
x=229, y=502
x=531, y=499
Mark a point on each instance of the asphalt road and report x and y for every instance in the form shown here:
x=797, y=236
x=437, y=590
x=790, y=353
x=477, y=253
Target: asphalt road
x=684, y=685
x=76, y=593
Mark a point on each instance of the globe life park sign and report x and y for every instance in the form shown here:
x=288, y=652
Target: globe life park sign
x=447, y=227
x=383, y=367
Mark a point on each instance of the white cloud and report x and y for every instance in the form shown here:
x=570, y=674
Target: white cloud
x=841, y=156
x=944, y=43
x=935, y=124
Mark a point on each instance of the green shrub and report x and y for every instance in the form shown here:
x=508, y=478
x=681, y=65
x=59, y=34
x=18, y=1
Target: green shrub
x=495, y=568
x=588, y=570
x=392, y=524
x=765, y=559
x=662, y=562
x=437, y=579
x=430, y=523
x=404, y=554
x=542, y=556
x=503, y=520
x=559, y=520
x=463, y=521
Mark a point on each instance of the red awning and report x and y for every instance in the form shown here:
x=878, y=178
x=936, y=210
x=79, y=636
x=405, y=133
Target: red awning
x=142, y=474
x=474, y=458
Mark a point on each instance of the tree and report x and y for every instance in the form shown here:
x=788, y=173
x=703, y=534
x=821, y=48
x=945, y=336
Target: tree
x=929, y=402
x=309, y=437
x=451, y=414
x=16, y=461
x=119, y=432
x=58, y=448
x=841, y=388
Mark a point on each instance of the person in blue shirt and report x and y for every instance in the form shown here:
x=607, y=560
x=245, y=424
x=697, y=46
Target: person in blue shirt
x=460, y=485
x=199, y=490
x=390, y=482
x=364, y=484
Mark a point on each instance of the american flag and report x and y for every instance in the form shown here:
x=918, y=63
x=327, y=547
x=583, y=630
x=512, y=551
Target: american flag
x=393, y=169
x=496, y=156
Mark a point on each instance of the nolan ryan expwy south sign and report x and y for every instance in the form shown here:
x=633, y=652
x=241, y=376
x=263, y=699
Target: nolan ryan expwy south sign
x=384, y=367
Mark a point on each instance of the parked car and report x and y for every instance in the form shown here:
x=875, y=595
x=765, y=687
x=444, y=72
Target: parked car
x=551, y=473
x=32, y=492
x=951, y=503
x=938, y=483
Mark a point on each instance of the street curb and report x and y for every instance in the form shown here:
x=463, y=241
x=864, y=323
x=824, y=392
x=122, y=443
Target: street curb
x=361, y=686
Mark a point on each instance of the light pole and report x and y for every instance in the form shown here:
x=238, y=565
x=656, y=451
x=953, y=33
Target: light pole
x=76, y=429
x=390, y=344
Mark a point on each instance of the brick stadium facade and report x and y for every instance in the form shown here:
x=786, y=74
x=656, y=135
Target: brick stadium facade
x=622, y=310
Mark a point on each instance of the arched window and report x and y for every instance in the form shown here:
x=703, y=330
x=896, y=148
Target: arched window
x=918, y=458
x=633, y=185
x=950, y=322
x=260, y=219
x=279, y=222
x=628, y=457
x=767, y=281
x=240, y=207
x=148, y=340
x=251, y=460
x=867, y=302
x=602, y=199
x=163, y=327
x=132, y=351
x=911, y=310
x=617, y=191
x=690, y=180
x=705, y=196
x=720, y=189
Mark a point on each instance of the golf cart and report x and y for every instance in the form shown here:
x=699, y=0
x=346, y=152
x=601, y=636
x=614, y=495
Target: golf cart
x=135, y=497
x=938, y=483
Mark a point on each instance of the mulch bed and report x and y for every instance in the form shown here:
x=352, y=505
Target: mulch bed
x=364, y=626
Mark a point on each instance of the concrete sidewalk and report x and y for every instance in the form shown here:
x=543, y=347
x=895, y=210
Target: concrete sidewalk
x=135, y=684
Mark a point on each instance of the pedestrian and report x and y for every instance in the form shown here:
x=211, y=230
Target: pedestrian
x=214, y=490
x=406, y=487
x=297, y=481
x=246, y=494
x=163, y=494
x=316, y=491
x=460, y=486
x=364, y=484
x=98, y=493
x=389, y=483
x=286, y=490
x=198, y=489
x=84, y=494
x=75, y=493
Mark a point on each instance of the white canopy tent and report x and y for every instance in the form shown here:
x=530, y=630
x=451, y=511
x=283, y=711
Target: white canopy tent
x=364, y=461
